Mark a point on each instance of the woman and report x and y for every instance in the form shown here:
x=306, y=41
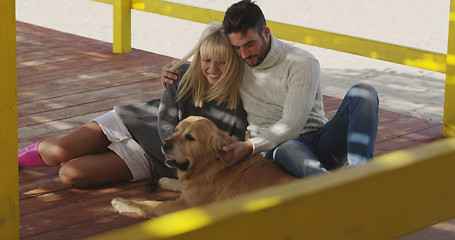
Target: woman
x=124, y=144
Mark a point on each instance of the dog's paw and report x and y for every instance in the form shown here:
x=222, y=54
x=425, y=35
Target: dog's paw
x=170, y=184
x=143, y=208
x=121, y=205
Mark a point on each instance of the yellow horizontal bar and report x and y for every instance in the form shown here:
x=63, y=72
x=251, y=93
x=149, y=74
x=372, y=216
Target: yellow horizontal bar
x=175, y=10
x=391, y=196
x=111, y=2
x=359, y=46
x=363, y=47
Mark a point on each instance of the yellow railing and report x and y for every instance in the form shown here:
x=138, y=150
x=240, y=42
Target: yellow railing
x=395, y=194
x=9, y=189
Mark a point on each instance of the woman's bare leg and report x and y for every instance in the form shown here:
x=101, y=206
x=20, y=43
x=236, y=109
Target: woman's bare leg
x=95, y=169
x=87, y=139
x=85, y=157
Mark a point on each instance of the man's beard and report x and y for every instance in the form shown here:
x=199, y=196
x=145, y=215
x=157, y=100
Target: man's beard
x=262, y=53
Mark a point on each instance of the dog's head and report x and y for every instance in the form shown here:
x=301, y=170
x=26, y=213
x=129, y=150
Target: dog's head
x=195, y=145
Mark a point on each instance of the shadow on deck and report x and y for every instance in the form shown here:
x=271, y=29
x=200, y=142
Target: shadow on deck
x=66, y=80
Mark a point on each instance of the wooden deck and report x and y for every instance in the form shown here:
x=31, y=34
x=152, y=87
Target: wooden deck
x=65, y=80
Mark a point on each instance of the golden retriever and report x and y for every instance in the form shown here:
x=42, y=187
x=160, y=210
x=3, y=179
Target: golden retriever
x=205, y=172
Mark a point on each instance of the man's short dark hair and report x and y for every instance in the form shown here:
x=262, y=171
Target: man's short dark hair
x=242, y=16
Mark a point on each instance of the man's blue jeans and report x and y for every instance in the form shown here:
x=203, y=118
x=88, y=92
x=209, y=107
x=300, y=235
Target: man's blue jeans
x=349, y=137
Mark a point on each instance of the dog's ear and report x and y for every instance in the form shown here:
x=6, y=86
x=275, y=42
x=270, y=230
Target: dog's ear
x=227, y=158
x=220, y=140
x=223, y=139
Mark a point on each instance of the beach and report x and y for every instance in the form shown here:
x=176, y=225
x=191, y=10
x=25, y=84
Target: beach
x=412, y=23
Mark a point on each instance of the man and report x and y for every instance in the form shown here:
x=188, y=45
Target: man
x=282, y=96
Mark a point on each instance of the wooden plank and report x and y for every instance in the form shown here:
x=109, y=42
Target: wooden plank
x=87, y=210
x=408, y=140
x=52, y=198
x=82, y=109
x=9, y=202
x=27, y=175
x=91, y=52
x=86, y=96
x=39, y=52
x=87, y=228
x=74, y=85
x=34, y=188
x=92, y=204
x=56, y=126
x=87, y=62
x=402, y=126
x=115, y=62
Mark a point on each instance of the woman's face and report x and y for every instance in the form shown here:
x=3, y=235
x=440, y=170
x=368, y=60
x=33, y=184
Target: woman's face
x=212, y=69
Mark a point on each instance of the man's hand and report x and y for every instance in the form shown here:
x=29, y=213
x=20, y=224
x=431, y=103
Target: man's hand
x=241, y=150
x=168, y=76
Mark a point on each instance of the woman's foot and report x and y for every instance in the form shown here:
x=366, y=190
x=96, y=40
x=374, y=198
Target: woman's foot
x=29, y=156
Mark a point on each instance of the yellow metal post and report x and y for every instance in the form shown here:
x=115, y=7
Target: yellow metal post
x=449, y=96
x=122, y=26
x=9, y=193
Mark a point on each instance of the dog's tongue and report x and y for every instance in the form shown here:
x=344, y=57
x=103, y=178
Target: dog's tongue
x=168, y=157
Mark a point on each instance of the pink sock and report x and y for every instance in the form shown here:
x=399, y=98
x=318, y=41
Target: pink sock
x=29, y=157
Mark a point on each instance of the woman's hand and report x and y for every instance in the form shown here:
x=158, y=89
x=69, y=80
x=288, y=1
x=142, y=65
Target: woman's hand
x=168, y=76
x=241, y=150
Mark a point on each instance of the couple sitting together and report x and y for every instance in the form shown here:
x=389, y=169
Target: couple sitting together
x=244, y=80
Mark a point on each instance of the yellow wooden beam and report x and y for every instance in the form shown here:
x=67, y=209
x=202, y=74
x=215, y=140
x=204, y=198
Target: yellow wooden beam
x=122, y=26
x=359, y=46
x=391, y=196
x=9, y=189
x=449, y=96
x=181, y=11
x=111, y=2
x=363, y=47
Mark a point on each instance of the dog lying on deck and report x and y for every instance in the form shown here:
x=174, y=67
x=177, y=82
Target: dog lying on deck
x=205, y=172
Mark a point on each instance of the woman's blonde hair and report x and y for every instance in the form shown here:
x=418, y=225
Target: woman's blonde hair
x=213, y=44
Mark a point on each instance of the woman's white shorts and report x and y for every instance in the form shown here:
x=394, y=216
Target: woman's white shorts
x=124, y=145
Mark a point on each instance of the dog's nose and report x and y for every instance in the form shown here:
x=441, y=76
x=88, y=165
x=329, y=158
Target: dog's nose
x=167, y=145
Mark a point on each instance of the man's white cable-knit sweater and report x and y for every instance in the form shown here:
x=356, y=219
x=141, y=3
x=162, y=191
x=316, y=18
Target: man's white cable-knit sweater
x=282, y=96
